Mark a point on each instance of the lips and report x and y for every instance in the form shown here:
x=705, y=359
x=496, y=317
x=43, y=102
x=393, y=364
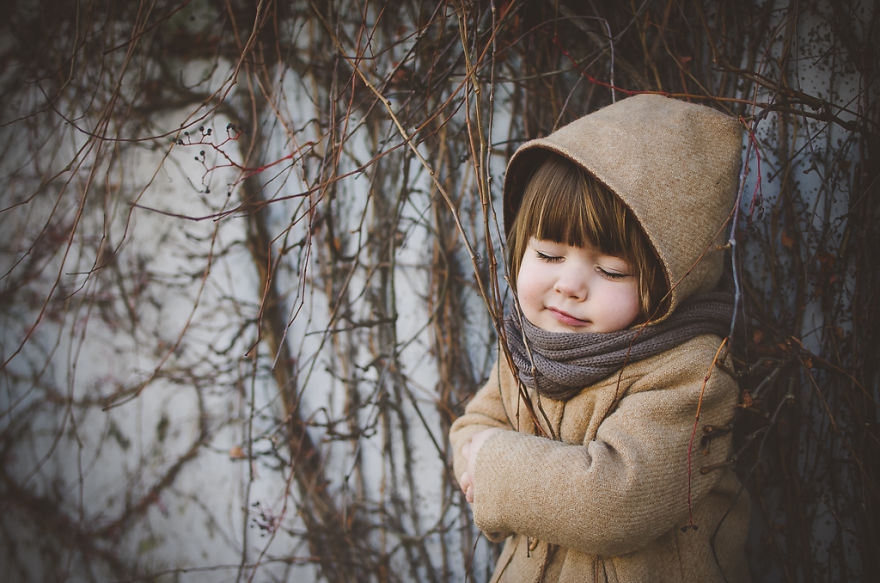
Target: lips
x=566, y=318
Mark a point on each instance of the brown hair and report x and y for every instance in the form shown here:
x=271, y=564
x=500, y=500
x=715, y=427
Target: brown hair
x=563, y=202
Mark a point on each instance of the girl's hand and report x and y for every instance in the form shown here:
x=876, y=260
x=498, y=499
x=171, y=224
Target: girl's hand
x=469, y=451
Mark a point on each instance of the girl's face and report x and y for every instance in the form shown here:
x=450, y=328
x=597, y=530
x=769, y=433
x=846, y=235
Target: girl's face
x=563, y=288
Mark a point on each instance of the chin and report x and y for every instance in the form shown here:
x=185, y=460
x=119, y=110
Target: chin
x=557, y=327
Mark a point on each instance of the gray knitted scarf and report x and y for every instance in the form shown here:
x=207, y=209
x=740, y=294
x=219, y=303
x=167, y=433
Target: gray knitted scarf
x=559, y=365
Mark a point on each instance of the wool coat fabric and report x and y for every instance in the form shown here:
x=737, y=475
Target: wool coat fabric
x=628, y=480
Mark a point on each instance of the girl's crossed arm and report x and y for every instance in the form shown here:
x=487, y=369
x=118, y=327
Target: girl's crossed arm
x=613, y=494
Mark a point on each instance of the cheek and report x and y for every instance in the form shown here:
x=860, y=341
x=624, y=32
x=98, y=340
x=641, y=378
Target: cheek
x=629, y=306
x=522, y=276
x=527, y=284
x=523, y=287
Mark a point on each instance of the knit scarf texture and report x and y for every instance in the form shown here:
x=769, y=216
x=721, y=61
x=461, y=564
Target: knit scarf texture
x=559, y=365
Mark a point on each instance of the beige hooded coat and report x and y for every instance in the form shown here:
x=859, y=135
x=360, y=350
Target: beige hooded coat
x=634, y=485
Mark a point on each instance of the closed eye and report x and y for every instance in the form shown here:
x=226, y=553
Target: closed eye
x=548, y=258
x=615, y=275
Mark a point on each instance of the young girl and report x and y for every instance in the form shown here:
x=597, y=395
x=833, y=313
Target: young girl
x=599, y=450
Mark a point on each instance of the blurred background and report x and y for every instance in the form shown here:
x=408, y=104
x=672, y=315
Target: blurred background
x=250, y=271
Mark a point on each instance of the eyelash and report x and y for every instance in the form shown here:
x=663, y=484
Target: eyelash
x=609, y=274
x=548, y=258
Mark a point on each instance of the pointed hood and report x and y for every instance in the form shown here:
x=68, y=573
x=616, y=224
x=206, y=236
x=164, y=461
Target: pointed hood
x=674, y=164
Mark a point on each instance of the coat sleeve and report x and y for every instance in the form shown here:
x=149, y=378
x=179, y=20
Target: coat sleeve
x=484, y=411
x=629, y=485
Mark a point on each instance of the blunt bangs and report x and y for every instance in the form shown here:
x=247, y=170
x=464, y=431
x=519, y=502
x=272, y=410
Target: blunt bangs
x=564, y=203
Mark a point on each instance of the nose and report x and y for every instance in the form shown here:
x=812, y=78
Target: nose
x=572, y=283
